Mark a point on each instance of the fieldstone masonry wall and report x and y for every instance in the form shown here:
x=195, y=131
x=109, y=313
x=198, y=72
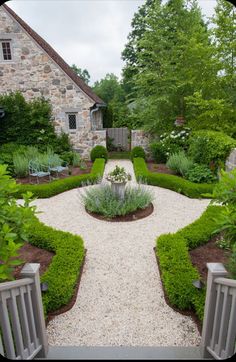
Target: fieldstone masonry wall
x=35, y=74
x=141, y=138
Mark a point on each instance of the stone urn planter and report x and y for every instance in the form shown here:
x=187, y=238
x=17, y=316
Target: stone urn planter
x=119, y=189
x=118, y=178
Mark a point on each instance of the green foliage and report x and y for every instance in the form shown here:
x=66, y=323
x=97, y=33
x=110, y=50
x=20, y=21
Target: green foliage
x=29, y=123
x=180, y=163
x=232, y=262
x=82, y=73
x=118, y=175
x=176, y=140
x=200, y=174
x=102, y=200
x=210, y=146
x=225, y=191
x=174, y=260
x=173, y=59
x=171, y=182
x=158, y=153
x=56, y=187
x=65, y=268
x=14, y=224
x=215, y=114
x=98, y=152
x=172, y=253
x=76, y=159
x=21, y=165
x=111, y=91
x=137, y=151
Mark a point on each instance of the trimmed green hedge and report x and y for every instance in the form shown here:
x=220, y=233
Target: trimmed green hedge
x=176, y=269
x=56, y=187
x=64, y=270
x=175, y=183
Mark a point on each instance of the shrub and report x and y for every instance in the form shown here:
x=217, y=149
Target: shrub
x=32, y=123
x=180, y=163
x=98, y=152
x=63, y=272
x=102, y=200
x=158, y=153
x=200, y=174
x=171, y=182
x=175, y=141
x=210, y=146
x=15, y=221
x=137, y=152
x=174, y=260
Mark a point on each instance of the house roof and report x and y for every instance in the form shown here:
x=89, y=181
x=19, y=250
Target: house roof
x=55, y=57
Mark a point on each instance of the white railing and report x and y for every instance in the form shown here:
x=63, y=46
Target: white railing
x=22, y=324
x=219, y=325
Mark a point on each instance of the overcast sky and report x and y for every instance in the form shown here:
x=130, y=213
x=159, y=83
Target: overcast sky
x=88, y=33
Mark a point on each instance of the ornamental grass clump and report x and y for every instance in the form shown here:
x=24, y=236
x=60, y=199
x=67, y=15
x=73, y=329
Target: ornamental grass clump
x=102, y=200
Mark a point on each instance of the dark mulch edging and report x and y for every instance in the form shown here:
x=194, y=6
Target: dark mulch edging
x=189, y=313
x=133, y=216
x=159, y=168
x=70, y=304
x=32, y=254
x=208, y=253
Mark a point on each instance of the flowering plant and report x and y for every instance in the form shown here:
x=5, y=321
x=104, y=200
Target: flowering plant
x=118, y=175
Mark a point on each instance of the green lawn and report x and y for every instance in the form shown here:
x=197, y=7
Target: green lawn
x=124, y=155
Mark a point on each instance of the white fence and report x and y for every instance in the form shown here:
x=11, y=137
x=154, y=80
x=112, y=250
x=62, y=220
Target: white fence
x=219, y=326
x=22, y=324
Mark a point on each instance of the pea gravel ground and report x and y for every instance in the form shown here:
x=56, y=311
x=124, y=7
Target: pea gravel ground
x=120, y=301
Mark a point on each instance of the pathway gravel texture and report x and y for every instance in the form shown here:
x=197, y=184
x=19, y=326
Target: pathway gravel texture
x=120, y=301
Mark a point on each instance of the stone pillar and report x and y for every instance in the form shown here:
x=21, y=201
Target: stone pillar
x=231, y=161
x=142, y=139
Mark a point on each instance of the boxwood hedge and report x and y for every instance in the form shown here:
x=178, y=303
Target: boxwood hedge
x=175, y=183
x=64, y=270
x=177, y=271
x=56, y=187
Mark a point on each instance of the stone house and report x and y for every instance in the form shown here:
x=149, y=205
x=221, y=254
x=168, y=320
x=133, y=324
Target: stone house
x=29, y=64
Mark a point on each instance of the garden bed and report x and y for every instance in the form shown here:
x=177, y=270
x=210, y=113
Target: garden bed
x=73, y=171
x=132, y=216
x=32, y=254
x=208, y=253
x=159, y=168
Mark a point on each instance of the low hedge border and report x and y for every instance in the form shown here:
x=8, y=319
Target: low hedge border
x=65, y=268
x=171, y=182
x=56, y=187
x=176, y=269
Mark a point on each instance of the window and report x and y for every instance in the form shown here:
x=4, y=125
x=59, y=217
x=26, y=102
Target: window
x=6, y=50
x=72, y=121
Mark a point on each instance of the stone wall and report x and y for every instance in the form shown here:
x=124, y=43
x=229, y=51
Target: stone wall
x=231, y=161
x=141, y=138
x=35, y=74
x=85, y=141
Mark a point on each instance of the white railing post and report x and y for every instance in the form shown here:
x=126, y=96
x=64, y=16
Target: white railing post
x=32, y=271
x=215, y=270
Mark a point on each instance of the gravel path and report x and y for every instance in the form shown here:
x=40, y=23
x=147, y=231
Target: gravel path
x=120, y=299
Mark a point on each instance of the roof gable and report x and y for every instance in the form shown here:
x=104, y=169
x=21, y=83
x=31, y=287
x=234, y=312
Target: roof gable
x=55, y=57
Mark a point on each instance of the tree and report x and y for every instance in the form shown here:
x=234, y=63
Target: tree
x=174, y=59
x=82, y=73
x=132, y=48
x=112, y=92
